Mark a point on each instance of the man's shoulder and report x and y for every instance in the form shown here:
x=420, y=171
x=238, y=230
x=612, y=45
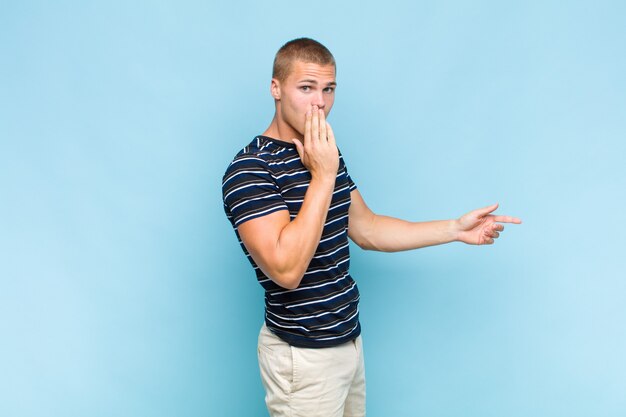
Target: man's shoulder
x=263, y=152
x=263, y=157
x=252, y=155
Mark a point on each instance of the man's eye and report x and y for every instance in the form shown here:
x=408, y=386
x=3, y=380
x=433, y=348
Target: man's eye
x=329, y=89
x=305, y=88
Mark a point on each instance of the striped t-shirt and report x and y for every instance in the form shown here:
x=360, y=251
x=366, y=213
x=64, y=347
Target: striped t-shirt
x=268, y=176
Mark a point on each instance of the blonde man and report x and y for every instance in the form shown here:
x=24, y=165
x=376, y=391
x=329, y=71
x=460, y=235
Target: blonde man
x=293, y=205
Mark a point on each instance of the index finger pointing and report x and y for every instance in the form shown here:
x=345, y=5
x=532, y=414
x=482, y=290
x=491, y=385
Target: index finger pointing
x=507, y=219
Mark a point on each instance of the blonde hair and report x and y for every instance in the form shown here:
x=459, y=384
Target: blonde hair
x=301, y=49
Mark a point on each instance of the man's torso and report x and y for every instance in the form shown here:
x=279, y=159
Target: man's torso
x=268, y=176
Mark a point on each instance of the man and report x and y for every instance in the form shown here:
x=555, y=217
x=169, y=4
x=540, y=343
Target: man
x=293, y=206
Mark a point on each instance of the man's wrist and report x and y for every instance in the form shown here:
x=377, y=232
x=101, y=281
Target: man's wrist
x=454, y=230
x=327, y=180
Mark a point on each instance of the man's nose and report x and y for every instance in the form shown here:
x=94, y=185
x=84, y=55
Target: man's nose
x=318, y=101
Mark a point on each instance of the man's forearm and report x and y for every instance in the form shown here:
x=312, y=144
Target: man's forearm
x=389, y=234
x=299, y=239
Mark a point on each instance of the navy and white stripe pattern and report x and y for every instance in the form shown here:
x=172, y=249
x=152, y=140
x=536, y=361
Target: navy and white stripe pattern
x=268, y=176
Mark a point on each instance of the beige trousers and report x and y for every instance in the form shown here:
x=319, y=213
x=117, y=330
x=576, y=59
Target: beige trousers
x=305, y=382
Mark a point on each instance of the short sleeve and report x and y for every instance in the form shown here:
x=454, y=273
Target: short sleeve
x=345, y=167
x=249, y=190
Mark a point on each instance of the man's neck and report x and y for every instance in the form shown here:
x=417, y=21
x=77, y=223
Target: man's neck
x=281, y=131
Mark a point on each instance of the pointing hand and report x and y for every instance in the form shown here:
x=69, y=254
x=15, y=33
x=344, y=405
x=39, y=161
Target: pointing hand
x=479, y=227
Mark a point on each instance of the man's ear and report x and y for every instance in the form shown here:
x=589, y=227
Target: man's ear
x=275, y=89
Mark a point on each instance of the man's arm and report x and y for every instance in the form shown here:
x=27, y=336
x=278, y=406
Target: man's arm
x=282, y=248
x=388, y=234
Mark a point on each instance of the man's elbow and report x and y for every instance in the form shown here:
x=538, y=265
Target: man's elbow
x=372, y=247
x=363, y=233
x=289, y=280
x=284, y=274
x=363, y=242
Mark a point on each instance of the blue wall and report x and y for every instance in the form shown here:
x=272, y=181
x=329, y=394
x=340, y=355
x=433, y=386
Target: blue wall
x=123, y=291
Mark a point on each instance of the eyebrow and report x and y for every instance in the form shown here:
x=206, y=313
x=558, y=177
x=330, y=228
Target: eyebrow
x=333, y=83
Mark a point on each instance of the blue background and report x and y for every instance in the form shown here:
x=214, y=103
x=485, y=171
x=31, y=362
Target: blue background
x=123, y=290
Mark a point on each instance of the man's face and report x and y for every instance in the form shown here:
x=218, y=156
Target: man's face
x=307, y=85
